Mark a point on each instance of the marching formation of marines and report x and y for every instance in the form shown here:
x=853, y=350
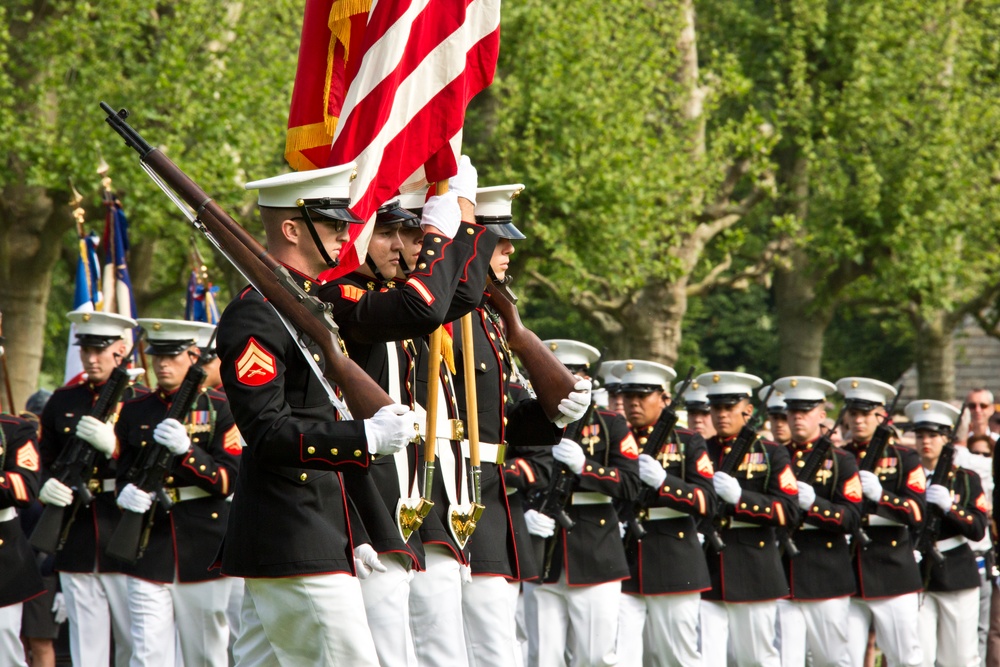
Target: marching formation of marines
x=509, y=501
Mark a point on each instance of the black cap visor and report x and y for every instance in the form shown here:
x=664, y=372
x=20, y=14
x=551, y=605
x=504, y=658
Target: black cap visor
x=168, y=348
x=92, y=340
x=800, y=405
x=696, y=406
x=861, y=404
x=933, y=427
x=502, y=226
x=332, y=209
x=393, y=214
x=727, y=399
x=635, y=388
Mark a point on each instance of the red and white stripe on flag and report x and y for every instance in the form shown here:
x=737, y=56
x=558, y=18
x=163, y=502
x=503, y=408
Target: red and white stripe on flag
x=424, y=61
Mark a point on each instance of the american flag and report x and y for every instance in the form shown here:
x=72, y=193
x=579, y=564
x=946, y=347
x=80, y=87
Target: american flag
x=423, y=61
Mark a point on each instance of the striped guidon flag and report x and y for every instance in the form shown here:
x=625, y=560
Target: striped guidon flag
x=423, y=61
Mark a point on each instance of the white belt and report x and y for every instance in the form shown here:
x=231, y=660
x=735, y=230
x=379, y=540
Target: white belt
x=7, y=513
x=102, y=485
x=951, y=543
x=180, y=494
x=487, y=453
x=876, y=520
x=590, y=498
x=742, y=524
x=664, y=513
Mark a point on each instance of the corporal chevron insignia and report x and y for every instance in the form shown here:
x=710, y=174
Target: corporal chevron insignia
x=231, y=442
x=704, y=465
x=852, y=489
x=256, y=365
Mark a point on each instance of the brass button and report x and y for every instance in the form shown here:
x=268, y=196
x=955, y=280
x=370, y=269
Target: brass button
x=590, y=468
x=191, y=460
x=762, y=544
x=815, y=508
x=493, y=336
x=600, y=470
x=357, y=452
x=767, y=509
x=612, y=473
x=483, y=365
x=316, y=357
x=894, y=543
x=666, y=489
x=334, y=451
x=743, y=506
x=215, y=515
x=895, y=501
x=826, y=512
x=603, y=521
x=303, y=477
x=169, y=480
x=469, y=231
x=437, y=239
x=1, y=543
x=311, y=450
x=690, y=495
x=681, y=534
x=829, y=545
x=430, y=252
x=422, y=265
x=201, y=468
x=66, y=430
x=756, y=507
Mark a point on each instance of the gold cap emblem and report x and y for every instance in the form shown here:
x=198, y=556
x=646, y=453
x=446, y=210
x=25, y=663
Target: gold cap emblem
x=926, y=406
x=793, y=384
x=629, y=366
x=514, y=195
x=553, y=346
x=715, y=378
x=694, y=384
x=854, y=384
x=86, y=317
x=157, y=326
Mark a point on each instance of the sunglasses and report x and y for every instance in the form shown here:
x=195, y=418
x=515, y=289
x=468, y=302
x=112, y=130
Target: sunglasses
x=979, y=406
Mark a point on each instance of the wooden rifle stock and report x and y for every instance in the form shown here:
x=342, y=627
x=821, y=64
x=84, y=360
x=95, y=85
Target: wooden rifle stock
x=551, y=380
x=363, y=395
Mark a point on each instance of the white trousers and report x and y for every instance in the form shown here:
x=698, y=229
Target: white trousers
x=304, y=622
x=97, y=607
x=949, y=628
x=489, y=607
x=750, y=629
x=436, y=610
x=387, y=606
x=818, y=628
x=527, y=622
x=11, y=649
x=580, y=619
x=191, y=616
x=896, y=629
x=233, y=613
x=659, y=630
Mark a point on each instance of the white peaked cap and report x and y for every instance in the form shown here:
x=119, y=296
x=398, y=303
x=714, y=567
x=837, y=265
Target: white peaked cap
x=413, y=201
x=205, y=331
x=637, y=374
x=695, y=393
x=775, y=402
x=99, y=324
x=799, y=390
x=285, y=190
x=729, y=383
x=866, y=390
x=926, y=412
x=495, y=201
x=573, y=352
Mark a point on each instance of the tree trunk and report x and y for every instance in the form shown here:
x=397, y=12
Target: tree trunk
x=654, y=323
x=801, y=325
x=936, y=357
x=31, y=226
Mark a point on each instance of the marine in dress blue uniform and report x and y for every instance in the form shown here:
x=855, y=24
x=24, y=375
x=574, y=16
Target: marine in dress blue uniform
x=659, y=619
x=949, y=610
x=173, y=591
x=91, y=581
x=813, y=619
x=289, y=533
x=887, y=573
x=760, y=498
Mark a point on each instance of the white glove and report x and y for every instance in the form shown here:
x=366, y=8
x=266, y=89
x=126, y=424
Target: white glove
x=727, y=488
x=917, y=556
x=939, y=495
x=465, y=183
x=870, y=486
x=55, y=493
x=539, y=524
x=575, y=405
x=622, y=529
x=465, y=573
x=366, y=560
x=807, y=495
x=100, y=435
x=134, y=499
x=59, y=611
x=442, y=211
x=571, y=454
x=390, y=429
x=650, y=471
x=171, y=434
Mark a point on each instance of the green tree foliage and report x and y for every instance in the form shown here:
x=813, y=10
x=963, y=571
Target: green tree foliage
x=208, y=82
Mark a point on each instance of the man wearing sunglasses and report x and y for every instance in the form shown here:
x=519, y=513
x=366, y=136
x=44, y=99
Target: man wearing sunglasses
x=289, y=534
